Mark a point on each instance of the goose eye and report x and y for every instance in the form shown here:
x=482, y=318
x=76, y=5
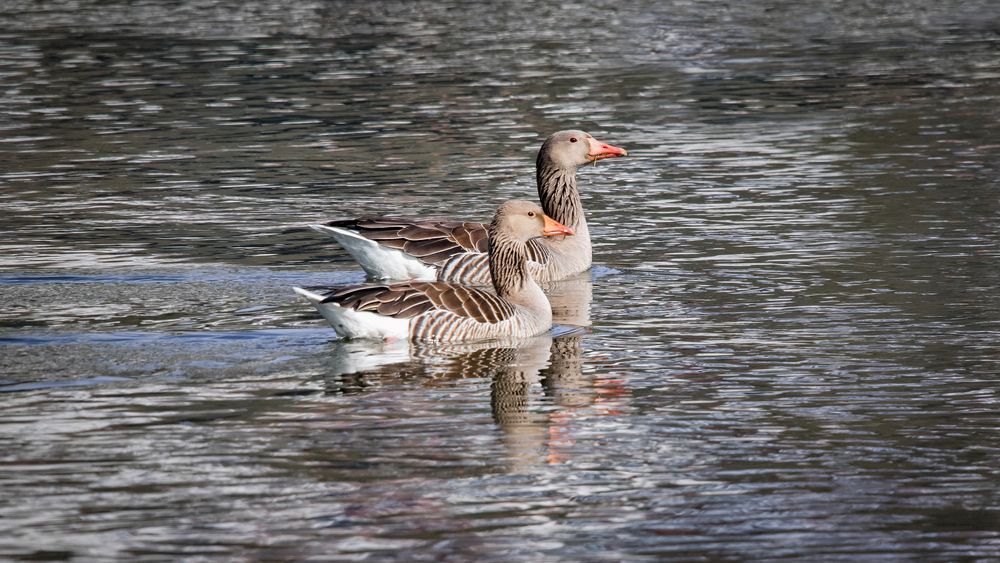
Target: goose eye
x=572, y=139
x=531, y=214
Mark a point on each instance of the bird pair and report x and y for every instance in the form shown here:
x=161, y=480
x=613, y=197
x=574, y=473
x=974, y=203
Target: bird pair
x=448, y=264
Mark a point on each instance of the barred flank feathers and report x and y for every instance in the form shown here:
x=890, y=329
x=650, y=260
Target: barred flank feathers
x=467, y=268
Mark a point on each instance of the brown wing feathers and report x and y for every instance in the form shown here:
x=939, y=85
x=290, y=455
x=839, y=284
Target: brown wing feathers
x=433, y=242
x=394, y=300
x=408, y=299
x=472, y=236
x=477, y=304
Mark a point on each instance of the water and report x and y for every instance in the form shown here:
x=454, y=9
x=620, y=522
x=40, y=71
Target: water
x=788, y=348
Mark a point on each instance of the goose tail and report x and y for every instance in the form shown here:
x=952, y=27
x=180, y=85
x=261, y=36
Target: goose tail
x=310, y=295
x=378, y=261
x=349, y=323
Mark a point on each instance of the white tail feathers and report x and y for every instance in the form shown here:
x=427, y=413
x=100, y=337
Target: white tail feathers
x=335, y=232
x=356, y=324
x=379, y=261
x=314, y=297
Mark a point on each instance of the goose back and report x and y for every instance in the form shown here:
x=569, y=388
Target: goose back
x=433, y=242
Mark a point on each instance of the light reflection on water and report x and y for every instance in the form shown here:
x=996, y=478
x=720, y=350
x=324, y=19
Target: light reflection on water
x=788, y=346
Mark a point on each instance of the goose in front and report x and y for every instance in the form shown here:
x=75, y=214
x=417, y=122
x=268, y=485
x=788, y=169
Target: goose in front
x=448, y=311
x=405, y=248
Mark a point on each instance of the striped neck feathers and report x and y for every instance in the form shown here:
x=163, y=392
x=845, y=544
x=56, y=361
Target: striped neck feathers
x=508, y=262
x=558, y=193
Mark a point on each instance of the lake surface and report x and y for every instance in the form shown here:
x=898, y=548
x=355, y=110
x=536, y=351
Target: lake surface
x=788, y=348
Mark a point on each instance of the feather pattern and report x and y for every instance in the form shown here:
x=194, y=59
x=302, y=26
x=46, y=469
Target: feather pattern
x=558, y=193
x=434, y=242
x=410, y=299
x=448, y=311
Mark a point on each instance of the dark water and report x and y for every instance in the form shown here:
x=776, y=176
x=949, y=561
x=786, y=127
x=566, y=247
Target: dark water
x=789, y=347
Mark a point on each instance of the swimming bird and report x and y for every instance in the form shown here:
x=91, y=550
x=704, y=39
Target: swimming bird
x=406, y=248
x=449, y=311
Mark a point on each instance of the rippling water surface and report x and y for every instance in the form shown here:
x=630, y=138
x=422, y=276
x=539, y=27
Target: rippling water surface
x=789, y=346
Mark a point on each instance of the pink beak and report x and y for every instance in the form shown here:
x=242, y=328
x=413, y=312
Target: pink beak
x=599, y=150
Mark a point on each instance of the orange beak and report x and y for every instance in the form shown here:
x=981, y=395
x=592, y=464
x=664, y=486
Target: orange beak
x=554, y=228
x=599, y=150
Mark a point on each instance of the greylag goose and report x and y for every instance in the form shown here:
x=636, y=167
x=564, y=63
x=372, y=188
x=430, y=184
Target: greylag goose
x=401, y=248
x=449, y=312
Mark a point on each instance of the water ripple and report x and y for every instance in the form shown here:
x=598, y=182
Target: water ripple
x=788, y=348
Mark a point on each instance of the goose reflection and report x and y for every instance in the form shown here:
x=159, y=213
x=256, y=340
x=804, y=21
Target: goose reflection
x=361, y=365
x=533, y=430
x=539, y=387
x=570, y=299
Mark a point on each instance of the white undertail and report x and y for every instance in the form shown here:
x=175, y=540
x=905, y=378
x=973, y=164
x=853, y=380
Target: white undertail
x=357, y=324
x=379, y=261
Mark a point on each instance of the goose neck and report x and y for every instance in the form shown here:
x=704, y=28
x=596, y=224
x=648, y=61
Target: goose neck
x=508, y=264
x=558, y=193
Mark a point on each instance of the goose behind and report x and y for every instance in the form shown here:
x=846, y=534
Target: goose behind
x=404, y=248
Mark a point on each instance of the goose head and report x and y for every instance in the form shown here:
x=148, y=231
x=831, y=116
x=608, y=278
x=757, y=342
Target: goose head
x=572, y=148
x=522, y=221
